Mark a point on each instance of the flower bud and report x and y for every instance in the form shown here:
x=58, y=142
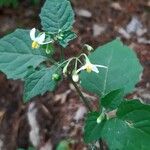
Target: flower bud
x=56, y=77
x=88, y=47
x=75, y=77
x=101, y=118
x=65, y=69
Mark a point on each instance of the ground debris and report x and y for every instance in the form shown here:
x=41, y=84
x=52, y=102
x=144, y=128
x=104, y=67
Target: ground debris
x=80, y=113
x=83, y=13
x=134, y=25
x=116, y=6
x=98, y=29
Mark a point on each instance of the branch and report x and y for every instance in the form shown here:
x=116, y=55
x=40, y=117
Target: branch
x=85, y=101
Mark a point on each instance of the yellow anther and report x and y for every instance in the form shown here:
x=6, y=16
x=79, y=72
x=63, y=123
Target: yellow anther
x=35, y=45
x=89, y=68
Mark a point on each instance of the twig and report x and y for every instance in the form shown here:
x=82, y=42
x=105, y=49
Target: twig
x=101, y=144
x=80, y=94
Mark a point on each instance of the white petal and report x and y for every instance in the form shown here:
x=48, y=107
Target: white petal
x=40, y=39
x=32, y=34
x=94, y=68
x=51, y=41
x=101, y=66
x=82, y=68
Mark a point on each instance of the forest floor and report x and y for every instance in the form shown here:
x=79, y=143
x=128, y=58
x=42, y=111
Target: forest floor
x=60, y=114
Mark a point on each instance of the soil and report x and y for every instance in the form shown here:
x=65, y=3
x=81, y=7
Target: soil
x=56, y=111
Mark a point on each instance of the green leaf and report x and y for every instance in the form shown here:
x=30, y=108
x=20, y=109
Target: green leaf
x=16, y=54
x=119, y=135
x=135, y=113
x=123, y=70
x=131, y=129
x=38, y=82
x=113, y=99
x=92, y=129
x=56, y=16
x=63, y=145
x=67, y=36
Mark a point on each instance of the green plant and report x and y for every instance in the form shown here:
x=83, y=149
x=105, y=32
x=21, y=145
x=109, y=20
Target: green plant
x=7, y=3
x=110, y=71
x=14, y=3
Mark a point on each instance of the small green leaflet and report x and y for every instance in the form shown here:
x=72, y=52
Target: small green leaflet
x=16, y=54
x=38, y=82
x=67, y=36
x=92, y=129
x=56, y=16
x=113, y=99
x=123, y=70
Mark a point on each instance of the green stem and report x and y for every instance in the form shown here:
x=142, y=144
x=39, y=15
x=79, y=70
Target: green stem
x=101, y=144
x=85, y=101
x=53, y=61
x=62, y=55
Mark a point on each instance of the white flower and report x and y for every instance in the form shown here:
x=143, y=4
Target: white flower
x=37, y=41
x=89, y=67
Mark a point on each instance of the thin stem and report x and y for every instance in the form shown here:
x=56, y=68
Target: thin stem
x=101, y=144
x=52, y=60
x=62, y=55
x=76, y=64
x=80, y=94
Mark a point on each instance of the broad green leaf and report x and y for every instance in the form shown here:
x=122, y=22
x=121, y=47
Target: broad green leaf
x=67, y=36
x=120, y=135
x=92, y=129
x=131, y=129
x=113, y=99
x=123, y=70
x=38, y=82
x=16, y=54
x=56, y=16
x=136, y=113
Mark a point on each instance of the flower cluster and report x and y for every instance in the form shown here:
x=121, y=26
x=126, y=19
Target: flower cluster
x=40, y=39
x=87, y=66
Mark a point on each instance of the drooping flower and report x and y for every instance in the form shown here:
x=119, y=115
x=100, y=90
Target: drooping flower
x=37, y=41
x=89, y=67
x=75, y=77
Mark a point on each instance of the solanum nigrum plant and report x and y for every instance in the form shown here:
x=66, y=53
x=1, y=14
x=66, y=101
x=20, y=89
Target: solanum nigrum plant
x=110, y=71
